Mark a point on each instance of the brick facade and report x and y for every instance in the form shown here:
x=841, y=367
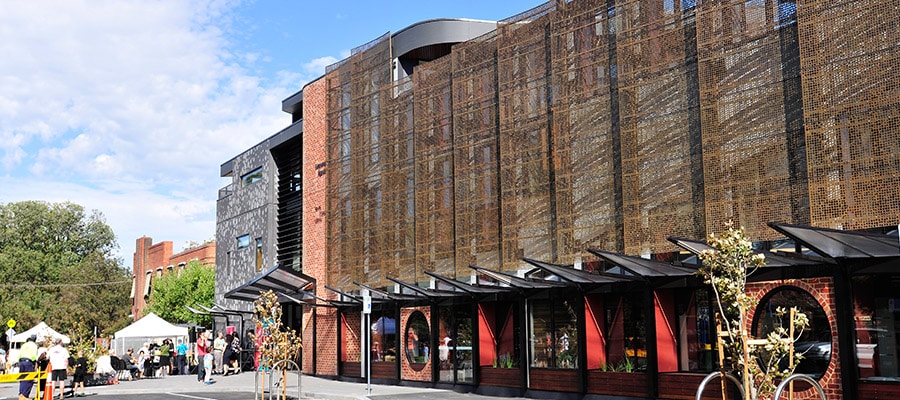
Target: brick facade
x=822, y=289
x=158, y=260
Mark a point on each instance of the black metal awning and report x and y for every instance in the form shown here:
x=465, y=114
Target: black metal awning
x=657, y=273
x=467, y=288
x=354, y=301
x=276, y=279
x=517, y=282
x=838, y=244
x=431, y=293
x=579, y=277
x=773, y=259
x=385, y=295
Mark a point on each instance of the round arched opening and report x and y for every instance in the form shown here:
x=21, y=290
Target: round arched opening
x=814, y=343
x=418, y=337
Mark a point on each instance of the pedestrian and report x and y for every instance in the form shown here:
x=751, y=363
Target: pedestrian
x=218, y=352
x=181, y=357
x=59, y=362
x=235, y=358
x=201, y=354
x=80, y=371
x=164, y=361
x=27, y=357
x=2, y=360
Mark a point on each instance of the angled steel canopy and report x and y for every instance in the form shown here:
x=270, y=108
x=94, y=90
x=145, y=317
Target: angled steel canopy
x=838, y=244
x=772, y=259
x=642, y=266
x=575, y=276
x=516, y=282
x=467, y=288
x=390, y=296
x=355, y=301
x=424, y=291
x=276, y=279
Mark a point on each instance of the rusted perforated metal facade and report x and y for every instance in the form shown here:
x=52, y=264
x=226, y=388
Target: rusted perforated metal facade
x=476, y=174
x=434, y=168
x=850, y=60
x=613, y=124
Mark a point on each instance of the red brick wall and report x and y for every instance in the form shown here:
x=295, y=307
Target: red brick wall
x=205, y=254
x=822, y=289
x=406, y=371
x=315, y=129
x=350, y=333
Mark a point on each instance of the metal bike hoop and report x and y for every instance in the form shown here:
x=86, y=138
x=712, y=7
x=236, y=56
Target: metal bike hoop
x=714, y=375
x=801, y=377
x=278, y=366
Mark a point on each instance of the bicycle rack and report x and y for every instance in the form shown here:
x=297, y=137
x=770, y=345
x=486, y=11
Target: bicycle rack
x=715, y=375
x=802, y=377
x=292, y=366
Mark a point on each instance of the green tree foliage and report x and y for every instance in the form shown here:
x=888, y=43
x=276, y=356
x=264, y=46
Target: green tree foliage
x=57, y=266
x=173, y=291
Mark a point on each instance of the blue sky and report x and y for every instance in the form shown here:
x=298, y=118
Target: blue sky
x=129, y=107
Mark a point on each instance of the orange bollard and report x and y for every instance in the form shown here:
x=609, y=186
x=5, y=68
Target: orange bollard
x=48, y=383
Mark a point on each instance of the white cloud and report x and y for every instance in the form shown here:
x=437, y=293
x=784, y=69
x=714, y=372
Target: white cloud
x=129, y=107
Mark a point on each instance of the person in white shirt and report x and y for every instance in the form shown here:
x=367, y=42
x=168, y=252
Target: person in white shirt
x=59, y=362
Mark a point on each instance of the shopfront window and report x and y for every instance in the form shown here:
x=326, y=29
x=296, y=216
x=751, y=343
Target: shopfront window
x=877, y=324
x=455, y=344
x=696, y=331
x=814, y=342
x=554, y=334
x=384, y=336
x=418, y=338
x=627, y=322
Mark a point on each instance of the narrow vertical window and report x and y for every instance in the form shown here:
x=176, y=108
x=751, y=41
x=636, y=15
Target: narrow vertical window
x=259, y=254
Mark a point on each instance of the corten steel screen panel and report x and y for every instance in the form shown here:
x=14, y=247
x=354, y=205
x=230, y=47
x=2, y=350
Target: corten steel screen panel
x=339, y=271
x=398, y=181
x=654, y=115
x=851, y=85
x=613, y=124
x=581, y=131
x=354, y=164
x=434, y=169
x=475, y=134
x=745, y=146
x=524, y=71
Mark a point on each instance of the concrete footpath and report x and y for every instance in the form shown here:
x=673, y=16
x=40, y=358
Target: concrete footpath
x=310, y=388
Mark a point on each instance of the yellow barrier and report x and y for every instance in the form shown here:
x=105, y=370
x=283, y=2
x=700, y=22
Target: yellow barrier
x=22, y=376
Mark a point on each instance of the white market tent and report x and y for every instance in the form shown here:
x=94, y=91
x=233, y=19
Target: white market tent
x=42, y=331
x=149, y=328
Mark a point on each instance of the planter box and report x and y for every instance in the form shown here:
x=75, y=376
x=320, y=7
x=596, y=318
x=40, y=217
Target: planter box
x=351, y=369
x=504, y=377
x=556, y=380
x=634, y=384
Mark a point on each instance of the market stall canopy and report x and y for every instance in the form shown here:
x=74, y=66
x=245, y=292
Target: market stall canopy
x=41, y=331
x=151, y=326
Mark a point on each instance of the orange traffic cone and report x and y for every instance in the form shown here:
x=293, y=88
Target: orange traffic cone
x=48, y=384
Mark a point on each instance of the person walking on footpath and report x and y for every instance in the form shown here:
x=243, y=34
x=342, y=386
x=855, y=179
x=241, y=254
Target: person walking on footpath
x=59, y=361
x=27, y=357
x=164, y=353
x=201, y=354
x=218, y=352
x=181, y=357
x=80, y=371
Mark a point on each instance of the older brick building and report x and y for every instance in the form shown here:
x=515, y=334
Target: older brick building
x=523, y=200
x=153, y=260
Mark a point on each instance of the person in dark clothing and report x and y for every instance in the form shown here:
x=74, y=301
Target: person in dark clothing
x=80, y=365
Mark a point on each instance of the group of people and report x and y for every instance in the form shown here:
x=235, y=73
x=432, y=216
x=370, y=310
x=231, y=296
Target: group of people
x=213, y=356
x=151, y=360
x=220, y=355
x=36, y=358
